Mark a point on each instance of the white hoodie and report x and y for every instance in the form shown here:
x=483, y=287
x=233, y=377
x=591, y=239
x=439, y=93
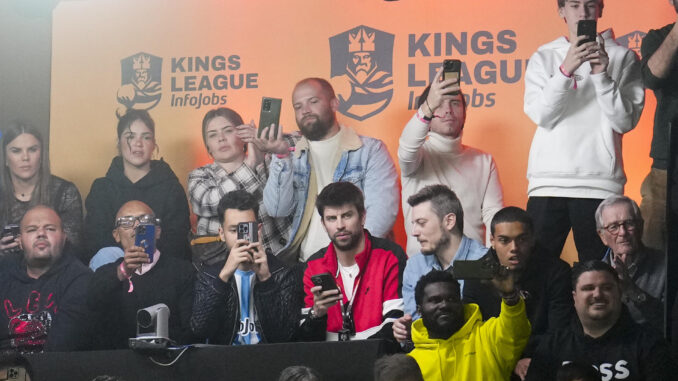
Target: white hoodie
x=577, y=148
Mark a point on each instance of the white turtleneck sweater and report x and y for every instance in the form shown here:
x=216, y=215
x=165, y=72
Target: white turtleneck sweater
x=428, y=158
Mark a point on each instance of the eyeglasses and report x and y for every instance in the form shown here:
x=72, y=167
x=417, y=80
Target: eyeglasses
x=127, y=222
x=629, y=226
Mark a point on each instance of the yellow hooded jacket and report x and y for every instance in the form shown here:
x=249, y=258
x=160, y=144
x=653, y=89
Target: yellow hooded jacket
x=478, y=351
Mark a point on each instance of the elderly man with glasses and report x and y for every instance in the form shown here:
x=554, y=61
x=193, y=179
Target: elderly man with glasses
x=138, y=280
x=642, y=270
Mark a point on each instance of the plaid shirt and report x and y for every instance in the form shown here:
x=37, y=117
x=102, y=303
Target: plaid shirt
x=208, y=184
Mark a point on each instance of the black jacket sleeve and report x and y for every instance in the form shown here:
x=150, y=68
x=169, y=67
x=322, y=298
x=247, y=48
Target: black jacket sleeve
x=72, y=327
x=542, y=365
x=101, y=293
x=559, y=304
x=215, y=309
x=278, y=302
x=99, y=219
x=651, y=43
x=175, y=224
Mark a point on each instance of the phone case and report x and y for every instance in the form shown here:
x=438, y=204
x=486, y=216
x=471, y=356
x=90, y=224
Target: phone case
x=145, y=237
x=479, y=269
x=325, y=280
x=270, y=113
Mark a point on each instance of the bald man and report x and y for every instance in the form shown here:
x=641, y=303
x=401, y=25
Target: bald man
x=327, y=152
x=135, y=281
x=42, y=292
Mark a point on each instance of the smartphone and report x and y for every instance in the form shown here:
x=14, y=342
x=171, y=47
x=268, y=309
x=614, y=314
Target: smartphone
x=326, y=280
x=144, y=236
x=451, y=69
x=270, y=114
x=248, y=231
x=587, y=28
x=11, y=230
x=484, y=268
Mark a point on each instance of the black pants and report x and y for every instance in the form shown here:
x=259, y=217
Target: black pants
x=554, y=216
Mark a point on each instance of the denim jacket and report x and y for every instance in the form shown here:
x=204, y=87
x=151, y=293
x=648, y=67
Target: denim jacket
x=364, y=162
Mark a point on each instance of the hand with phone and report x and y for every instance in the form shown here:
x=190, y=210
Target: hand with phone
x=241, y=253
x=134, y=257
x=9, y=243
x=440, y=91
x=598, y=57
x=578, y=53
x=588, y=46
x=325, y=293
x=271, y=140
x=260, y=266
x=504, y=282
x=402, y=328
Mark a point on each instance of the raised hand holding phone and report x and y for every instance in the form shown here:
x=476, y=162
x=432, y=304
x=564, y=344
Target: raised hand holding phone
x=440, y=90
x=238, y=254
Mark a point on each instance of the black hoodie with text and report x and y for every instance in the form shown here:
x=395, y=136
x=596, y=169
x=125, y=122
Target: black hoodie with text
x=627, y=351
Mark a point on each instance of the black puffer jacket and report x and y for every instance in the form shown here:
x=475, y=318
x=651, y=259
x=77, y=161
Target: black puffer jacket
x=277, y=303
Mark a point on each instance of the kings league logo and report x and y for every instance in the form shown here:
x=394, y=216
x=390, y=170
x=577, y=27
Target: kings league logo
x=140, y=86
x=361, y=73
x=632, y=40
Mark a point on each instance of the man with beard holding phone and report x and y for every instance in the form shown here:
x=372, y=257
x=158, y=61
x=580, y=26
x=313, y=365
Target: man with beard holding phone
x=135, y=281
x=251, y=297
x=453, y=343
x=367, y=271
x=583, y=96
x=327, y=152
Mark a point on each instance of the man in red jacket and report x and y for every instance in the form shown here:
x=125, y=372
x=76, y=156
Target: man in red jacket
x=367, y=271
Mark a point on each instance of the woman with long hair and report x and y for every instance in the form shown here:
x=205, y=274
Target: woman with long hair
x=236, y=165
x=26, y=181
x=134, y=175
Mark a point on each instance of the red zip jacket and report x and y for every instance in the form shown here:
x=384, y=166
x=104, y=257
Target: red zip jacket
x=378, y=299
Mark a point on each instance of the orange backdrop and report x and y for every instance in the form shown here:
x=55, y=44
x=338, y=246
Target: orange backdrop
x=273, y=44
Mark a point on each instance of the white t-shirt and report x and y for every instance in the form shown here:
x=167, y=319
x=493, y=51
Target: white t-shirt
x=348, y=276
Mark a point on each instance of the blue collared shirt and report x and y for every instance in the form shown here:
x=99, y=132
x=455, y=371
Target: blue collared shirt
x=420, y=264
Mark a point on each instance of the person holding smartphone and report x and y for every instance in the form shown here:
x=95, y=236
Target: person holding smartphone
x=433, y=136
x=138, y=280
x=583, y=97
x=238, y=164
x=366, y=296
x=250, y=297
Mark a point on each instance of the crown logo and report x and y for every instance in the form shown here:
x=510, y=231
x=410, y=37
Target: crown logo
x=361, y=41
x=141, y=62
